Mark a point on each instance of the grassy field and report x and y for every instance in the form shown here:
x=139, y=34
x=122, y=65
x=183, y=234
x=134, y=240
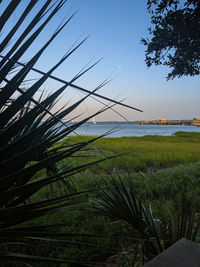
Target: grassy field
x=146, y=153
x=161, y=167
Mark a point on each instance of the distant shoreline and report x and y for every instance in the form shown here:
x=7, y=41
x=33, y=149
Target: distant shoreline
x=129, y=122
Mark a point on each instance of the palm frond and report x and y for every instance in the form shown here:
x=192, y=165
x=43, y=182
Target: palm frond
x=120, y=201
x=29, y=138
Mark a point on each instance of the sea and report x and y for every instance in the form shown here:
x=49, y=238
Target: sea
x=126, y=129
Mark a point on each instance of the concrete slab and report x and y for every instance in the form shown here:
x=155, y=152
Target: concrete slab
x=184, y=253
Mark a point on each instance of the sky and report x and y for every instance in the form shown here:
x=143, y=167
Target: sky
x=115, y=28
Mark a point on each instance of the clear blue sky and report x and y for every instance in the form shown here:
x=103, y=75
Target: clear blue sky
x=115, y=28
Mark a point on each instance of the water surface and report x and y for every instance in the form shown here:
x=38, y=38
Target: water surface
x=121, y=129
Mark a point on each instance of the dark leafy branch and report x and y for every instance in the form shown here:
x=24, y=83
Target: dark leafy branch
x=175, y=36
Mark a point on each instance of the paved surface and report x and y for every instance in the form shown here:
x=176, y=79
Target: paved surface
x=184, y=253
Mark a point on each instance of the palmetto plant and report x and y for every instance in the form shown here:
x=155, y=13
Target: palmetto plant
x=29, y=130
x=151, y=234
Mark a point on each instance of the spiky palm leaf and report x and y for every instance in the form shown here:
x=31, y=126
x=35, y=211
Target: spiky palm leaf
x=27, y=135
x=150, y=235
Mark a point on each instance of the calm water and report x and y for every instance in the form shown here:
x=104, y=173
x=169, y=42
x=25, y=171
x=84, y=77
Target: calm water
x=120, y=129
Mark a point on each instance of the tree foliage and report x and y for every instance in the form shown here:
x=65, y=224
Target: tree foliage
x=175, y=36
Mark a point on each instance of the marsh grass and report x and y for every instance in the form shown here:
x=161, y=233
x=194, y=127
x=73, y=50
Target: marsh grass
x=160, y=188
x=147, y=153
x=161, y=169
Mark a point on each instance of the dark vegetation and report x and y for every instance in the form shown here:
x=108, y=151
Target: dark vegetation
x=175, y=34
x=29, y=131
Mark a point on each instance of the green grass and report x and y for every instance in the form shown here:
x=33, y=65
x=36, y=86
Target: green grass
x=146, y=153
x=161, y=167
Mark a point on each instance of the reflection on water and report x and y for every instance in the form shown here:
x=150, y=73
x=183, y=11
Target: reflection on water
x=119, y=129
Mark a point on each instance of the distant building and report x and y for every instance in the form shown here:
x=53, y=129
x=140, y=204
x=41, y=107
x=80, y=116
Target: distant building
x=162, y=119
x=196, y=121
